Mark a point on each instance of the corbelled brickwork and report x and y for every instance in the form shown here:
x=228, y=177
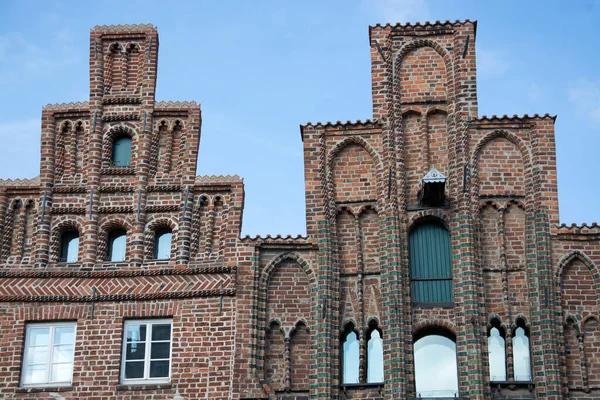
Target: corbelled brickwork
x=264, y=317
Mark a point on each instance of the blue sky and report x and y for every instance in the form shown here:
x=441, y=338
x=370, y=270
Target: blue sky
x=261, y=68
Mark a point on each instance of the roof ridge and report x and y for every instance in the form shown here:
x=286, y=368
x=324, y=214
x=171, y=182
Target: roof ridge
x=425, y=24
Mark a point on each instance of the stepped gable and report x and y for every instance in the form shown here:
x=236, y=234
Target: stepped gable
x=74, y=106
x=20, y=182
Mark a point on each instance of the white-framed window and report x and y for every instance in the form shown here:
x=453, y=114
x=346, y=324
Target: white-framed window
x=48, y=355
x=146, y=351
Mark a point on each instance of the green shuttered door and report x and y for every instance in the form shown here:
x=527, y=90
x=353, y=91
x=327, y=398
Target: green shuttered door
x=430, y=264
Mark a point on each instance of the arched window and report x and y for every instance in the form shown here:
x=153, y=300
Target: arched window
x=350, y=355
x=117, y=245
x=374, y=354
x=521, y=354
x=69, y=247
x=497, y=352
x=436, y=373
x=430, y=264
x=121, y=155
x=162, y=244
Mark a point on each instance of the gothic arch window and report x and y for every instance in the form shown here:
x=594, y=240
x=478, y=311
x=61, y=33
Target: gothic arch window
x=117, y=245
x=121, y=151
x=350, y=351
x=430, y=263
x=69, y=246
x=162, y=243
x=436, y=372
x=521, y=352
x=374, y=354
x=497, y=352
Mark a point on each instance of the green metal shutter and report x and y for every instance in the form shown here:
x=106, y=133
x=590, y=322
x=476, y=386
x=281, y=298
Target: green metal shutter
x=430, y=264
x=122, y=152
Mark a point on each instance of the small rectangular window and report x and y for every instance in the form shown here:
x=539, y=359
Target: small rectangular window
x=146, y=351
x=48, y=355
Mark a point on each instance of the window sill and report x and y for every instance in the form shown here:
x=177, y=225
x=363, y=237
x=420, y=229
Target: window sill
x=434, y=305
x=40, y=389
x=143, y=386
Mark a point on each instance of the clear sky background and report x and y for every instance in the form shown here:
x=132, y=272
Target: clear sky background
x=261, y=68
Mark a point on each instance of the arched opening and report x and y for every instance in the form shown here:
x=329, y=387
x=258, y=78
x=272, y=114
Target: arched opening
x=117, y=241
x=162, y=244
x=374, y=354
x=521, y=352
x=436, y=372
x=430, y=264
x=497, y=352
x=350, y=355
x=69, y=246
x=121, y=152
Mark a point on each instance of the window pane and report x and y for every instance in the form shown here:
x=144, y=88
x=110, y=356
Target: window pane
x=117, y=246
x=134, y=370
x=159, y=369
x=162, y=249
x=436, y=373
x=375, y=352
x=497, y=356
x=351, y=355
x=61, y=372
x=34, y=374
x=39, y=336
x=135, y=351
x=136, y=333
x=37, y=355
x=63, y=354
x=161, y=332
x=521, y=356
x=73, y=250
x=160, y=350
x=122, y=152
x=64, y=335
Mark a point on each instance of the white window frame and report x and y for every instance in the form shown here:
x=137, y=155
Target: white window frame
x=51, y=326
x=148, y=342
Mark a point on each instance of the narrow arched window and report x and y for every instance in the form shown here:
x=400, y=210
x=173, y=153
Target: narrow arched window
x=430, y=264
x=497, y=353
x=69, y=247
x=117, y=245
x=521, y=353
x=374, y=355
x=162, y=244
x=436, y=372
x=350, y=356
x=121, y=155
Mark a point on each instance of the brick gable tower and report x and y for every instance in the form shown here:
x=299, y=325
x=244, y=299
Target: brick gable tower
x=433, y=265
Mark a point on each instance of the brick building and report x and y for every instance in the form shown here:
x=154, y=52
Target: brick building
x=434, y=264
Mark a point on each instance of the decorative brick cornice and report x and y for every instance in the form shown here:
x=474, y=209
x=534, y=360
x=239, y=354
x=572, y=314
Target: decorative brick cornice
x=424, y=25
x=120, y=117
x=123, y=28
x=116, y=189
x=121, y=100
x=115, y=209
x=163, y=188
x=70, y=189
x=46, y=274
x=68, y=210
x=163, y=208
x=278, y=239
x=118, y=171
x=515, y=117
x=118, y=297
x=176, y=104
x=20, y=182
x=574, y=229
x=211, y=179
x=76, y=106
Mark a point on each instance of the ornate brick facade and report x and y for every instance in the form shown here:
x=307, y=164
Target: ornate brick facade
x=263, y=317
